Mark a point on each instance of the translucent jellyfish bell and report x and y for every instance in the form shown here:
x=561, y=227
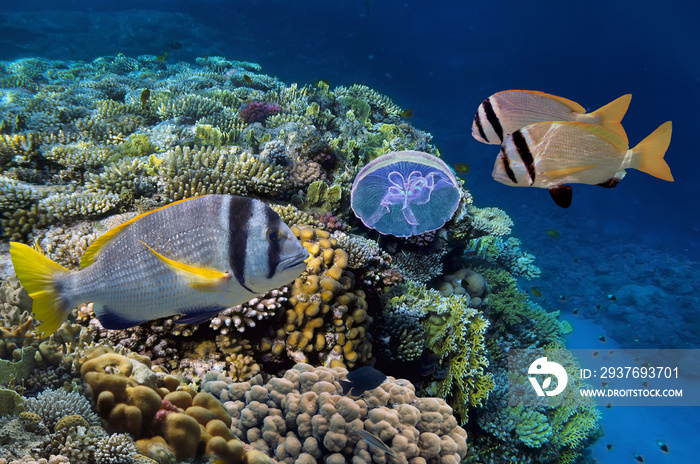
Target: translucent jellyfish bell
x=405, y=193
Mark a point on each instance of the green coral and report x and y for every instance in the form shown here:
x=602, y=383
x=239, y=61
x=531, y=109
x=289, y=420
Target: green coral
x=454, y=332
x=533, y=428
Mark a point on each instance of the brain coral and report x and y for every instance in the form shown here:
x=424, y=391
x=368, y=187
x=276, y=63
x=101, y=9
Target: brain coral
x=303, y=417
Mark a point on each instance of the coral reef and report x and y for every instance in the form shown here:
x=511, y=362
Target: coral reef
x=304, y=417
x=328, y=319
x=122, y=135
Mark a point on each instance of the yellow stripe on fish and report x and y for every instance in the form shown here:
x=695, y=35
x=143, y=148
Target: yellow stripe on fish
x=505, y=112
x=553, y=154
x=194, y=257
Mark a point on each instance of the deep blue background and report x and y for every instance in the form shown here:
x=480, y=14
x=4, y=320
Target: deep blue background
x=442, y=59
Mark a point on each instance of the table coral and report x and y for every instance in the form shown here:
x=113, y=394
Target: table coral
x=304, y=417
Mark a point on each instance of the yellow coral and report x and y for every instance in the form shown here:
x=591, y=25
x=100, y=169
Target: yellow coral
x=328, y=318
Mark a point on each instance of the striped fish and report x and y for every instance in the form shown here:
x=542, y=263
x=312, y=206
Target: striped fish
x=505, y=112
x=553, y=154
x=193, y=257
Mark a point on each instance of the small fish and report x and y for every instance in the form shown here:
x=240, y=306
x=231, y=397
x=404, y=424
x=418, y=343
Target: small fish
x=595, y=354
x=194, y=257
x=376, y=442
x=247, y=78
x=536, y=291
x=611, y=297
x=609, y=446
x=553, y=233
x=552, y=155
x=608, y=405
x=461, y=168
x=639, y=458
x=161, y=58
x=611, y=353
x=598, y=306
x=663, y=447
x=145, y=95
x=603, y=339
x=604, y=384
x=505, y=112
x=575, y=312
x=362, y=379
x=562, y=297
x=408, y=113
x=645, y=384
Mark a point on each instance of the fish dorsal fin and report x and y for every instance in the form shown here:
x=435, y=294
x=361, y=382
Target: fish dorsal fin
x=94, y=250
x=613, y=138
x=199, y=278
x=611, y=114
x=558, y=173
x=572, y=105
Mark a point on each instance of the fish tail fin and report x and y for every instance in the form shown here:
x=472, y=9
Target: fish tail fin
x=611, y=114
x=648, y=155
x=37, y=274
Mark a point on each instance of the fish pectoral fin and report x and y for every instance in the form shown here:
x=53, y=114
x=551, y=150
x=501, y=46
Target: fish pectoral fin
x=559, y=173
x=562, y=195
x=199, y=278
x=198, y=318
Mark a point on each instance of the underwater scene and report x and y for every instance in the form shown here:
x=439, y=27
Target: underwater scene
x=349, y=232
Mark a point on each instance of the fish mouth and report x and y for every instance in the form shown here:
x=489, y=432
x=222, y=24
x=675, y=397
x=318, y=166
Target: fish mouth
x=294, y=262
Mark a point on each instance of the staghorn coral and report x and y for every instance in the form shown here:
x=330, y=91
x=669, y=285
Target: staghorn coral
x=66, y=206
x=79, y=155
x=186, y=173
x=304, y=417
x=15, y=194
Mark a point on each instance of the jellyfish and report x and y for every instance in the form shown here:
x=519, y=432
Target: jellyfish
x=405, y=193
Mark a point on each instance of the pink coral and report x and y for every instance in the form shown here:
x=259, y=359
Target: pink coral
x=256, y=111
x=166, y=407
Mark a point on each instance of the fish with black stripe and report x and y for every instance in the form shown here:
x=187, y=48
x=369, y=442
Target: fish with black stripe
x=505, y=112
x=194, y=257
x=552, y=155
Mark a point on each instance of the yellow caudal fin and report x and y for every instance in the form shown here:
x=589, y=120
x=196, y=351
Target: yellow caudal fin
x=37, y=275
x=611, y=114
x=648, y=155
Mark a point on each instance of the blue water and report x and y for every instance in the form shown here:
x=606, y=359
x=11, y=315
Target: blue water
x=442, y=59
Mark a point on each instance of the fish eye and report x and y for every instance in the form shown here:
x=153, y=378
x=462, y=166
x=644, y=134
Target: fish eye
x=274, y=235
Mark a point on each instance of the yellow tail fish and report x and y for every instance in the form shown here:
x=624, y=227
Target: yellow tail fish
x=553, y=154
x=194, y=257
x=505, y=112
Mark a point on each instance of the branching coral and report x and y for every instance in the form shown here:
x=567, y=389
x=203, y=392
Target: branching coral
x=455, y=333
